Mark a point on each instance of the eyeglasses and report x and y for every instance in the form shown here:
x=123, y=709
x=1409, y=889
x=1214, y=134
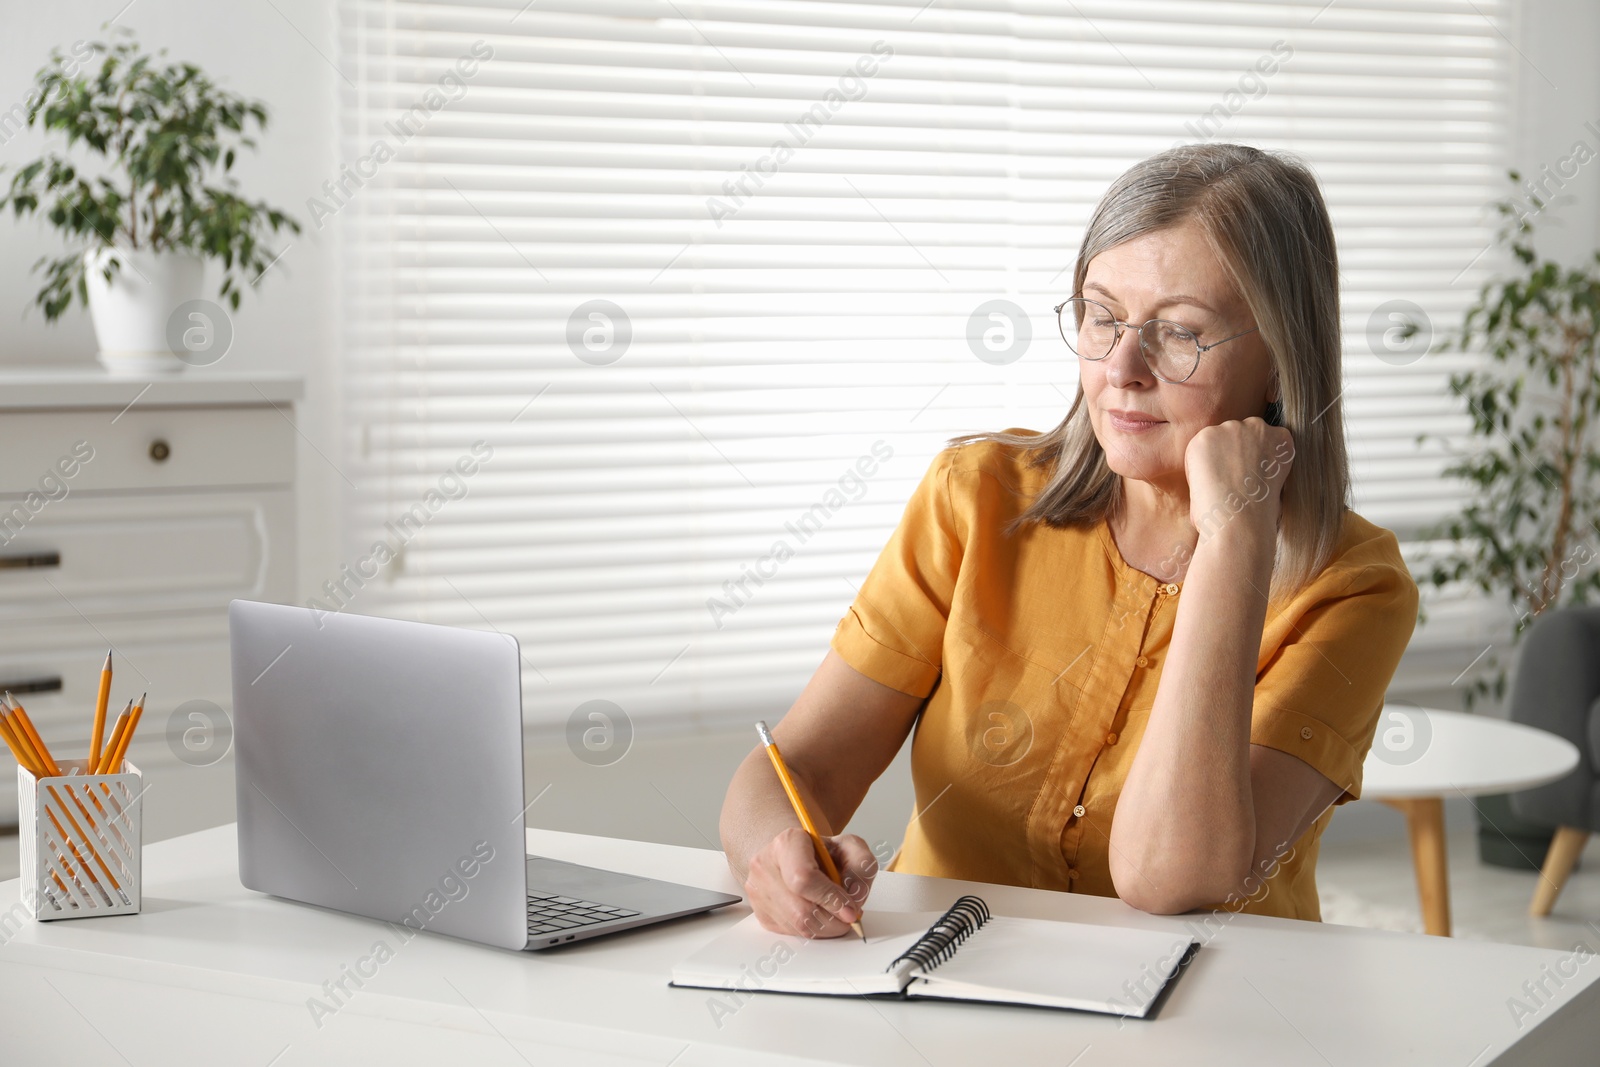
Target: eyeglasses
x=1172, y=352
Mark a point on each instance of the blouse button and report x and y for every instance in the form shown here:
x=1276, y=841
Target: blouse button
x=1305, y=732
x=1072, y=872
x=1111, y=738
x=1143, y=661
x=1170, y=589
x=1078, y=811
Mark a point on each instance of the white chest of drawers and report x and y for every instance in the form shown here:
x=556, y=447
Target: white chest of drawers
x=131, y=511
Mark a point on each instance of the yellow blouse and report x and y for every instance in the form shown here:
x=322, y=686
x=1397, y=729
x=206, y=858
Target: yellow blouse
x=1040, y=656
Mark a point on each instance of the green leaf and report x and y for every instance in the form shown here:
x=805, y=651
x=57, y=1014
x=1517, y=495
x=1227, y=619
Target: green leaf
x=162, y=131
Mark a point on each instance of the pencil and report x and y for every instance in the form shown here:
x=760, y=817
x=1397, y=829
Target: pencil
x=25, y=743
x=127, y=736
x=19, y=717
x=100, y=714
x=805, y=817
x=28, y=739
x=86, y=838
x=116, y=736
x=22, y=749
x=19, y=748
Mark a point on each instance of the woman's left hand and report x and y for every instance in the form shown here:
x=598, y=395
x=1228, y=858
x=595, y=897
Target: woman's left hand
x=1236, y=470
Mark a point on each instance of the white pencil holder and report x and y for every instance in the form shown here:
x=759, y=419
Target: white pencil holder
x=81, y=839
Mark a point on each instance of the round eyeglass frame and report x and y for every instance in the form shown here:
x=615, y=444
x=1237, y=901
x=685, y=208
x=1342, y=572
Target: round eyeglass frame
x=1144, y=346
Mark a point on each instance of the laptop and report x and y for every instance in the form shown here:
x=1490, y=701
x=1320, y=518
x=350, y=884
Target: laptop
x=379, y=772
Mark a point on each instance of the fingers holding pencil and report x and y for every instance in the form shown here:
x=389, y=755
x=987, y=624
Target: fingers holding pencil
x=857, y=867
x=790, y=894
x=797, y=878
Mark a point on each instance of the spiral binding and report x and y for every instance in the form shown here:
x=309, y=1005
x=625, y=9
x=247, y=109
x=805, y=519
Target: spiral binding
x=963, y=918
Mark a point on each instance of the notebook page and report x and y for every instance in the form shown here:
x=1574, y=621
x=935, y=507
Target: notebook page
x=747, y=956
x=1057, y=964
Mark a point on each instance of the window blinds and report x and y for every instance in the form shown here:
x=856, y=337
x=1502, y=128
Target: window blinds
x=658, y=311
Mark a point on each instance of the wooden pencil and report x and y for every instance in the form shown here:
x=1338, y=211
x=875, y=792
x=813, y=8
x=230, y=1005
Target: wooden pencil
x=100, y=714
x=21, y=750
x=823, y=857
x=19, y=716
x=116, y=735
x=121, y=749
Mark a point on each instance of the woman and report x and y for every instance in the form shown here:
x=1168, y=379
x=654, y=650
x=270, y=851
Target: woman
x=1146, y=651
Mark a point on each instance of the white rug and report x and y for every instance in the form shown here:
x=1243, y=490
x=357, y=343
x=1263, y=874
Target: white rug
x=1348, y=908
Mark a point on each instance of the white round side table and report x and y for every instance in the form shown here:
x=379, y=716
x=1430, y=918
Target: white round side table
x=1419, y=756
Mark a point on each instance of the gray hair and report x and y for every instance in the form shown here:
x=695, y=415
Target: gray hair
x=1263, y=215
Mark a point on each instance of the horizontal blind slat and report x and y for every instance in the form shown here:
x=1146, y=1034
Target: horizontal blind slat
x=772, y=349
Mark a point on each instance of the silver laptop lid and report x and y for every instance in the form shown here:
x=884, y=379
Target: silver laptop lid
x=379, y=768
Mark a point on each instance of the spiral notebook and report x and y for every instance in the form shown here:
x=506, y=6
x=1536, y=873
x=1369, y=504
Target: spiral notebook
x=964, y=953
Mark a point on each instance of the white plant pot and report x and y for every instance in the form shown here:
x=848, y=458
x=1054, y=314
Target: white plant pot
x=133, y=313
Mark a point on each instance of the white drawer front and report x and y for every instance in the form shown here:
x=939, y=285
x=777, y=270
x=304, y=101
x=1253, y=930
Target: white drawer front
x=175, y=660
x=113, y=555
x=182, y=660
x=144, y=448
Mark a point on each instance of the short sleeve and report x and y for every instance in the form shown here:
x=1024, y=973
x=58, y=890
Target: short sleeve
x=894, y=630
x=1321, y=693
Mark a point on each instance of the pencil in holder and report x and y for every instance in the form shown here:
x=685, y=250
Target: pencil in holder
x=81, y=839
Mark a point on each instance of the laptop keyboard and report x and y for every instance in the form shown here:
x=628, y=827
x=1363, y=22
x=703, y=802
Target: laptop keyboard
x=550, y=914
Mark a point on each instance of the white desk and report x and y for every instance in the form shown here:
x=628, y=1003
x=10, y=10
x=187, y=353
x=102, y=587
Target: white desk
x=211, y=973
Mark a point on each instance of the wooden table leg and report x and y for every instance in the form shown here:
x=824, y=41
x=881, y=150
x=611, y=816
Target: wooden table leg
x=1425, y=824
x=1565, y=848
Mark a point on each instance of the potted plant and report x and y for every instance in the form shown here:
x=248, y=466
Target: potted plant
x=144, y=224
x=1525, y=533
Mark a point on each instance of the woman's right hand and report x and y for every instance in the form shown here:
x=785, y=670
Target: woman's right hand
x=790, y=894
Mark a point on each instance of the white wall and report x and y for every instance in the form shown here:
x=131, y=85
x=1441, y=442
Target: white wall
x=1558, y=106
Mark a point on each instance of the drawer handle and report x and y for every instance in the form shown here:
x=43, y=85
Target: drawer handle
x=33, y=559
x=160, y=450
x=34, y=685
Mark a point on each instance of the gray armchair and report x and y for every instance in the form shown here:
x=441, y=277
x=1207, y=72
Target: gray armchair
x=1557, y=688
